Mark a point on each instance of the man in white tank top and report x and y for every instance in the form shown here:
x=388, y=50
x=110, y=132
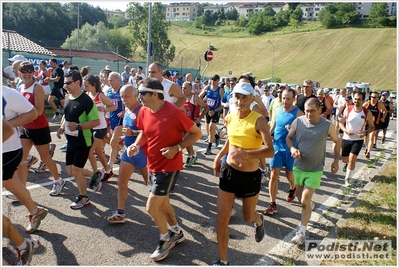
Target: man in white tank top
x=173, y=93
x=353, y=124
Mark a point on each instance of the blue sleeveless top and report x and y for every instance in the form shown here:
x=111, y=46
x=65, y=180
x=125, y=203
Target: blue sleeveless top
x=280, y=132
x=213, y=99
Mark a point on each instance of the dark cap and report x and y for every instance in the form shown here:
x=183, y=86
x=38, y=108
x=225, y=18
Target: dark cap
x=66, y=63
x=215, y=77
x=348, y=97
x=385, y=93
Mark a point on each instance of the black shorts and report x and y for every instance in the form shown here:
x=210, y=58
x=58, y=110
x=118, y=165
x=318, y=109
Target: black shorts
x=384, y=125
x=58, y=93
x=353, y=147
x=380, y=125
x=39, y=136
x=100, y=133
x=162, y=183
x=11, y=161
x=214, y=118
x=242, y=184
x=77, y=156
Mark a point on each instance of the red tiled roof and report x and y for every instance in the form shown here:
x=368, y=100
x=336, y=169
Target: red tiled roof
x=87, y=54
x=19, y=43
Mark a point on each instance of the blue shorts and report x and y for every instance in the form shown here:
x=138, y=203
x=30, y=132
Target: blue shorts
x=282, y=158
x=139, y=160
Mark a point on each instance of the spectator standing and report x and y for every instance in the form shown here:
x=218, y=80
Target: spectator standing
x=125, y=75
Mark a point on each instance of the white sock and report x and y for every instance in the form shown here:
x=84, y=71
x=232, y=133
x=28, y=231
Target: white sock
x=303, y=229
x=349, y=173
x=110, y=165
x=24, y=244
x=59, y=181
x=175, y=228
x=164, y=237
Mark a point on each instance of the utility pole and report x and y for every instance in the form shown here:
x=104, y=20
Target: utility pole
x=272, y=60
x=149, y=37
x=78, y=22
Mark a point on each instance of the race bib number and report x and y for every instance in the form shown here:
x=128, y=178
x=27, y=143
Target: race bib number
x=70, y=133
x=210, y=102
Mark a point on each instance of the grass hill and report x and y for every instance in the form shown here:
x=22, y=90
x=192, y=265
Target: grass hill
x=332, y=57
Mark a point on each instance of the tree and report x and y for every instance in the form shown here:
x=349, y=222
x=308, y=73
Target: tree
x=138, y=27
x=378, y=14
x=117, y=21
x=338, y=14
x=297, y=14
x=241, y=22
x=232, y=14
x=283, y=17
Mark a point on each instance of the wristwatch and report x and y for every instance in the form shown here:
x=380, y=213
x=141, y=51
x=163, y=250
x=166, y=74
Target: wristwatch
x=179, y=148
x=79, y=127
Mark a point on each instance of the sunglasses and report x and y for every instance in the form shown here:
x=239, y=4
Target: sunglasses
x=24, y=71
x=279, y=92
x=374, y=97
x=68, y=82
x=143, y=93
x=306, y=86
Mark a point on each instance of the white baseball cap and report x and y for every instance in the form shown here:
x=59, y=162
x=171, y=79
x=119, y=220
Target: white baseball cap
x=17, y=57
x=244, y=88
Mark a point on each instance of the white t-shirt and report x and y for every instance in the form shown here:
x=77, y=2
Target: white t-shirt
x=166, y=87
x=14, y=104
x=267, y=100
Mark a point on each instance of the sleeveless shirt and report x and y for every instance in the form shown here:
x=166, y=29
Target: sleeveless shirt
x=242, y=132
x=40, y=121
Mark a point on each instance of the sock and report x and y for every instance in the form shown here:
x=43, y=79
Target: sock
x=224, y=262
x=348, y=173
x=217, y=136
x=164, y=237
x=175, y=228
x=36, y=211
x=303, y=229
x=83, y=195
x=110, y=165
x=121, y=211
x=109, y=171
x=57, y=113
x=23, y=245
x=59, y=181
x=95, y=176
x=209, y=145
x=273, y=203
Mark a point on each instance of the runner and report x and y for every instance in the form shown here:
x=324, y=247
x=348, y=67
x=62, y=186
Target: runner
x=162, y=125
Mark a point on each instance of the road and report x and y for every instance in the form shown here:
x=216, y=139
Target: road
x=83, y=237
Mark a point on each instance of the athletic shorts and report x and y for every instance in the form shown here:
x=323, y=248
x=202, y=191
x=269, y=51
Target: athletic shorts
x=378, y=126
x=384, y=125
x=77, y=156
x=58, y=93
x=100, y=133
x=47, y=89
x=162, y=183
x=241, y=183
x=353, y=147
x=113, y=125
x=39, y=136
x=139, y=160
x=11, y=161
x=309, y=178
x=214, y=118
x=282, y=158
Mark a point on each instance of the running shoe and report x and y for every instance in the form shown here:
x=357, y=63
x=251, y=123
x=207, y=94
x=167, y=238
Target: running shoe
x=117, y=159
x=291, y=195
x=191, y=160
x=63, y=148
x=107, y=176
x=36, y=219
x=260, y=231
x=57, y=117
x=12, y=197
x=176, y=238
x=217, y=142
x=25, y=255
x=42, y=167
x=52, y=149
x=162, y=250
x=208, y=151
x=272, y=209
x=80, y=202
x=31, y=160
x=96, y=184
x=57, y=188
x=299, y=238
x=264, y=175
x=220, y=263
x=347, y=182
x=345, y=167
x=116, y=218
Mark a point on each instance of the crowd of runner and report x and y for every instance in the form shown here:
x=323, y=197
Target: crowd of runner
x=148, y=121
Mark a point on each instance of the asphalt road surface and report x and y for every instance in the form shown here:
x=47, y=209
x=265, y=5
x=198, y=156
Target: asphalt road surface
x=83, y=237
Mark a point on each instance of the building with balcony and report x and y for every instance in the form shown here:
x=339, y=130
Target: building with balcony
x=181, y=11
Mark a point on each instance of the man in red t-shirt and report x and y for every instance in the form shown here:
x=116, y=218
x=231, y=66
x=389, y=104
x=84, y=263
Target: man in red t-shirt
x=163, y=126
